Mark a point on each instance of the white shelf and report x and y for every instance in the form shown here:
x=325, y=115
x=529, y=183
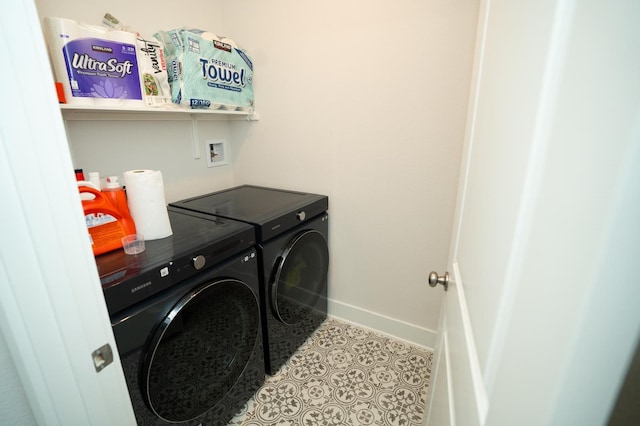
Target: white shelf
x=133, y=112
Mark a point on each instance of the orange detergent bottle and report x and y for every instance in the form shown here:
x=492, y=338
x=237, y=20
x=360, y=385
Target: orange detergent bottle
x=107, y=217
x=114, y=191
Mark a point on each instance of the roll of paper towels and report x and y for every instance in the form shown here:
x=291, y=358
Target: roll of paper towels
x=145, y=196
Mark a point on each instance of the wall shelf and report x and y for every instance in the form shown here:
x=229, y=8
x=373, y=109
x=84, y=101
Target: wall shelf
x=141, y=113
x=165, y=113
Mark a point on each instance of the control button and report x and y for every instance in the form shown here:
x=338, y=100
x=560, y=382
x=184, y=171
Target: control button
x=199, y=262
x=164, y=272
x=253, y=255
x=246, y=258
x=301, y=215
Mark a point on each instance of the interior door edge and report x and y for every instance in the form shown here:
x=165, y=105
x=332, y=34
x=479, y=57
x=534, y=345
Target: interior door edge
x=457, y=300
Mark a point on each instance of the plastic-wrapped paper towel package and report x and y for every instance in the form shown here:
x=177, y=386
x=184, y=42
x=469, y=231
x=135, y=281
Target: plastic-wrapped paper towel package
x=153, y=72
x=206, y=71
x=173, y=54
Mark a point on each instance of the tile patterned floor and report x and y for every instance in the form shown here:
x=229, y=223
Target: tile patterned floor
x=344, y=375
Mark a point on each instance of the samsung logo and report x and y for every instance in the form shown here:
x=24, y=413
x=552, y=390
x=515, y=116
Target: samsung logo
x=141, y=286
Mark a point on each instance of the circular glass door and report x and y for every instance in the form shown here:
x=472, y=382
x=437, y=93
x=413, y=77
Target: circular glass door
x=300, y=277
x=200, y=350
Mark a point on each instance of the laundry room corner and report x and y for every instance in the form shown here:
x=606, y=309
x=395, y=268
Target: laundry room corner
x=365, y=102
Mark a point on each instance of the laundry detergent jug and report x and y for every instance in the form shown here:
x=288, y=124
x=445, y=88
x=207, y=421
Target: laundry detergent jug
x=107, y=218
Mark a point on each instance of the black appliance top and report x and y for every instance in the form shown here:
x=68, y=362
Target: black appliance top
x=272, y=211
x=129, y=279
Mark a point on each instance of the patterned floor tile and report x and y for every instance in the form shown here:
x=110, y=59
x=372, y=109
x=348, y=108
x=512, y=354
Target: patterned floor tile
x=344, y=375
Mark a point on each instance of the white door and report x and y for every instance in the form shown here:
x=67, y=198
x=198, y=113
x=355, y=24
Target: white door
x=52, y=311
x=541, y=316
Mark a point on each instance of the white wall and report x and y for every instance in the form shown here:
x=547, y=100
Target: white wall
x=112, y=147
x=364, y=101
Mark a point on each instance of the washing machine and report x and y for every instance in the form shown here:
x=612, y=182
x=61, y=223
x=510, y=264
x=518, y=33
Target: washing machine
x=292, y=236
x=186, y=318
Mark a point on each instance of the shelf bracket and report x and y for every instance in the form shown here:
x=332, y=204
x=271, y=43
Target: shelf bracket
x=195, y=138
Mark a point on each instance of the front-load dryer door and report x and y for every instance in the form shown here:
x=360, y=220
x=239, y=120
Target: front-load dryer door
x=200, y=350
x=299, y=280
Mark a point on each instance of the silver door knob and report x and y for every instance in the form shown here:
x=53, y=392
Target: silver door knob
x=434, y=280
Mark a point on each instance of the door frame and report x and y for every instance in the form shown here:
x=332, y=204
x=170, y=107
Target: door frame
x=569, y=322
x=53, y=311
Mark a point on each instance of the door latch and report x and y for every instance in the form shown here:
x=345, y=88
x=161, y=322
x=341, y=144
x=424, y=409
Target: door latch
x=434, y=280
x=102, y=357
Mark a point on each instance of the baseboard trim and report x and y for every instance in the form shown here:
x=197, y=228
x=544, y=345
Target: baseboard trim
x=392, y=327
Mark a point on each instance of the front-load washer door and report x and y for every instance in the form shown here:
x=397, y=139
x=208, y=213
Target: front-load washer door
x=300, y=277
x=200, y=350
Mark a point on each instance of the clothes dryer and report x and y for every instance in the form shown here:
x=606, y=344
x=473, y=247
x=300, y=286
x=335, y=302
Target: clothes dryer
x=186, y=318
x=292, y=232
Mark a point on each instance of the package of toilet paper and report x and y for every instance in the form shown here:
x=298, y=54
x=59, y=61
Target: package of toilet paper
x=96, y=65
x=209, y=72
